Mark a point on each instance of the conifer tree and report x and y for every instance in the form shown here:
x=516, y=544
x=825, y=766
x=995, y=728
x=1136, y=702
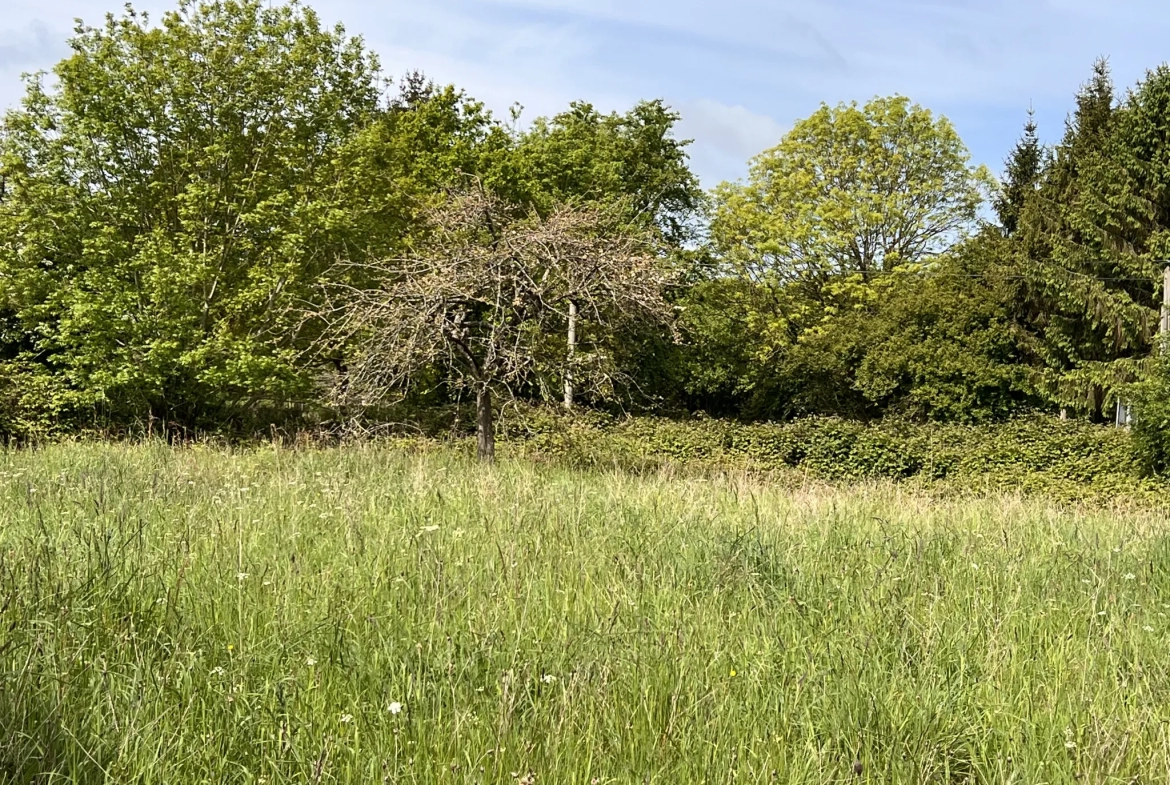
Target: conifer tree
x=1088, y=299
x=1022, y=173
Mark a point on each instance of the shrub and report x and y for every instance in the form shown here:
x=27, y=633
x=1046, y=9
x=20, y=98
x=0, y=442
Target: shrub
x=1151, y=427
x=1065, y=458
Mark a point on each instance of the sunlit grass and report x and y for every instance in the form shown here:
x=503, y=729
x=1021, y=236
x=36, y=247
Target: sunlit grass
x=381, y=615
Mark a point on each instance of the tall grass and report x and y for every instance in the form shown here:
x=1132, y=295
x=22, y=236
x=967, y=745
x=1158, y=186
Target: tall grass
x=377, y=615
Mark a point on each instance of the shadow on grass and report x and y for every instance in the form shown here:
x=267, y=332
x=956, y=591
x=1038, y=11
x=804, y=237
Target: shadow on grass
x=36, y=748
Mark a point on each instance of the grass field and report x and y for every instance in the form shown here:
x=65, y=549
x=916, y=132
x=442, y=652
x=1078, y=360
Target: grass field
x=382, y=615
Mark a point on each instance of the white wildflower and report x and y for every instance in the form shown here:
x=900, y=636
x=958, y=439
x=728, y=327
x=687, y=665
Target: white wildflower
x=548, y=678
x=346, y=719
x=394, y=708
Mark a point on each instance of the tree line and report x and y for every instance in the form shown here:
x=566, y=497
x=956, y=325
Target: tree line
x=230, y=217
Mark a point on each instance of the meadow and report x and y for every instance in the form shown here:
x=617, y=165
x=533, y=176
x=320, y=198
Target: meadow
x=392, y=614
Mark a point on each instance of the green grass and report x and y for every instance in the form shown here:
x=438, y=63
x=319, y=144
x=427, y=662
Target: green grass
x=205, y=616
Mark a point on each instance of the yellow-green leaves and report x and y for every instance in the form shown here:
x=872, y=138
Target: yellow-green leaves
x=851, y=189
x=853, y=206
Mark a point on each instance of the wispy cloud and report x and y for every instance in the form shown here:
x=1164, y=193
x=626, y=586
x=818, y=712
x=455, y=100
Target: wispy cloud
x=733, y=130
x=32, y=47
x=740, y=70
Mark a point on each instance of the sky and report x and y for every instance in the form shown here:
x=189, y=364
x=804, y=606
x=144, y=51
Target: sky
x=740, y=72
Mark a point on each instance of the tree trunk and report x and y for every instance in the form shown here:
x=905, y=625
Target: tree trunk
x=572, y=352
x=1097, y=415
x=485, y=432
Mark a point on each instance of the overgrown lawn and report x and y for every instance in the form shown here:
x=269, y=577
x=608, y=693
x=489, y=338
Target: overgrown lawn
x=390, y=615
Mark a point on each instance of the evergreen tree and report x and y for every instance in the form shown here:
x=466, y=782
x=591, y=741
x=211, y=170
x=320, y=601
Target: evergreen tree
x=1095, y=107
x=1022, y=173
x=1083, y=242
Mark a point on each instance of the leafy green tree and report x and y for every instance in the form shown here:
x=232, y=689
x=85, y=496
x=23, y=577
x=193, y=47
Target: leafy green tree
x=730, y=349
x=633, y=159
x=851, y=190
x=168, y=191
x=941, y=344
x=945, y=345
x=850, y=197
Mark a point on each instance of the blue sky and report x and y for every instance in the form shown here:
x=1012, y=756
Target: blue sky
x=739, y=71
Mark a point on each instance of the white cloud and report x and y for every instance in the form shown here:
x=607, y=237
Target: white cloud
x=729, y=129
x=29, y=47
x=725, y=137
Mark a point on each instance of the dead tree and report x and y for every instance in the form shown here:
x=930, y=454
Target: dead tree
x=495, y=297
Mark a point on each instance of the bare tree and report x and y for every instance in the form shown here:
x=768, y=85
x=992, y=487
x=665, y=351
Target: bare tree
x=496, y=297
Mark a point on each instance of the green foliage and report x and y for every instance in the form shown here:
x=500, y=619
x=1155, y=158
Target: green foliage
x=851, y=190
x=1089, y=238
x=1150, y=399
x=177, y=198
x=429, y=140
x=172, y=189
x=936, y=344
x=633, y=158
x=943, y=345
x=843, y=301
x=1052, y=457
x=1023, y=169
x=723, y=366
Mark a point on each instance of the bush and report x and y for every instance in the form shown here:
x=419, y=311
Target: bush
x=1070, y=459
x=1151, y=409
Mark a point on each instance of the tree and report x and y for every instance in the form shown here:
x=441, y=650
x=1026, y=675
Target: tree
x=850, y=190
x=634, y=160
x=175, y=185
x=1022, y=174
x=851, y=196
x=1089, y=238
x=944, y=345
x=488, y=296
x=630, y=162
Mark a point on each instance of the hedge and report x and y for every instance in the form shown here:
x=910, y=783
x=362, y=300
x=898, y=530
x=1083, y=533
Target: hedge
x=1070, y=459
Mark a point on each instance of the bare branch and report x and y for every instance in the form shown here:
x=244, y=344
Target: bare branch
x=486, y=300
